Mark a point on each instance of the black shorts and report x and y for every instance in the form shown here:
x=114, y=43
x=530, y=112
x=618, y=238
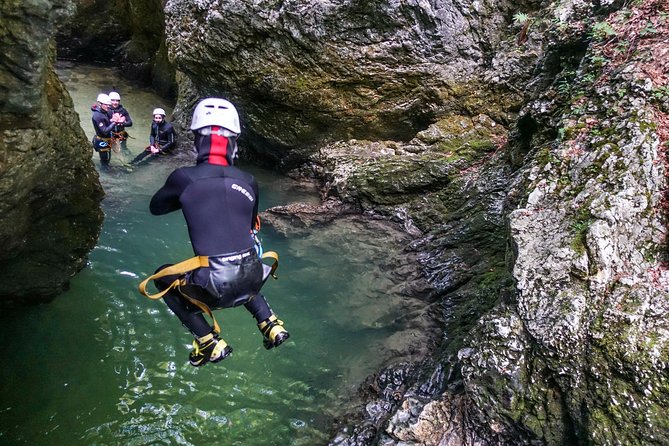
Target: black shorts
x=229, y=281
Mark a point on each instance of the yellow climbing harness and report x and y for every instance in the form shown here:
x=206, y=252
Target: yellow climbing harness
x=191, y=264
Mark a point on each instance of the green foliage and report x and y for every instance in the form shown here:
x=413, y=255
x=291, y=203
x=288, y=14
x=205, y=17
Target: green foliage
x=599, y=60
x=579, y=227
x=660, y=96
x=520, y=18
x=564, y=87
x=648, y=29
x=577, y=110
x=621, y=92
x=589, y=78
x=622, y=46
x=661, y=93
x=602, y=30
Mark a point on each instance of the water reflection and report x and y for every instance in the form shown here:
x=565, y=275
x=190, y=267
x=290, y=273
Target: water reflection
x=102, y=365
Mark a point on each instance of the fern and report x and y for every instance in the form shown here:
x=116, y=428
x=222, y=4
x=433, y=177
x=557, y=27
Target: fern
x=520, y=18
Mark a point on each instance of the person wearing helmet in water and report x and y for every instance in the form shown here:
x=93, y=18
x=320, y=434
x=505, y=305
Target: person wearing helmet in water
x=123, y=120
x=220, y=205
x=161, y=138
x=103, y=125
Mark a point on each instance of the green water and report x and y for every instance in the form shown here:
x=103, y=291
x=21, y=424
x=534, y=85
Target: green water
x=102, y=365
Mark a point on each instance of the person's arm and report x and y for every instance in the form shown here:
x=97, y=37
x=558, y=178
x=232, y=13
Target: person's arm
x=128, y=120
x=167, y=198
x=256, y=194
x=152, y=136
x=102, y=127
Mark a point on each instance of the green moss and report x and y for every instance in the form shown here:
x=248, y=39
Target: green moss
x=645, y=126
x=477, y=97
x=628, y=403
x=544, y=156
x=579, y=226
x=464, y=149
x=396, y=180
x=568, y=132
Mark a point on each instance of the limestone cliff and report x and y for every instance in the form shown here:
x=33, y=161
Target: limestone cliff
x=559, y=339
x=49, y=190
x=308, y=72
x=573, y=346
x=581, y=352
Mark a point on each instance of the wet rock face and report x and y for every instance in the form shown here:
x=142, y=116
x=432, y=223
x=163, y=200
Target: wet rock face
x=574, y=348
x=307, y=72
x=447, y=188
x=128, y=34
x=96, y=32
x=49, y=189
x=581, y=355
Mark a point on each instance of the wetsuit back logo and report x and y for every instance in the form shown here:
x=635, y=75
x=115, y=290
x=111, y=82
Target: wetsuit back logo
x=238, y=188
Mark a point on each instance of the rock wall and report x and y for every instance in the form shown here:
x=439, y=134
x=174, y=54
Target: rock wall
x=307, y=72
x=581, y=354
x=129, y=34
x=49, y=189
x=575, y=351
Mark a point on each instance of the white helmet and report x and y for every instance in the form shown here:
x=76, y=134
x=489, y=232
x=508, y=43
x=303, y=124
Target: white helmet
x=104, y=99
x=114, y=96
x=158, y=111
x=215, y=111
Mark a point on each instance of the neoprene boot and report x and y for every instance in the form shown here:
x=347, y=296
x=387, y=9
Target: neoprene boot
x=273, y=332
x=208, y=348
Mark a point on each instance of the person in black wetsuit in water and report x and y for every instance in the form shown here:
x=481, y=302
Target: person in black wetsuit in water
x=161, y=139
x=220, y=205
x=103, y=124
x=123, y=121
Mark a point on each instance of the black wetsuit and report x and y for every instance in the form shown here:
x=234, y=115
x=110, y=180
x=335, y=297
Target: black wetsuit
x=220, y=205
x=162, y=136
x=119, y=129
x=102, y=139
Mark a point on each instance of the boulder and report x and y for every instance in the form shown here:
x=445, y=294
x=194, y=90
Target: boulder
x=50, y=193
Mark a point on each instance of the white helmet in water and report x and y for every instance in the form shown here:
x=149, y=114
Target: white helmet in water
x=215, y=111
x=114, y=96
x=104, y=99
x=158, y=111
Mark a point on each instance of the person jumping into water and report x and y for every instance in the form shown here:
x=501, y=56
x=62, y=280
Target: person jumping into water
x=220, y=205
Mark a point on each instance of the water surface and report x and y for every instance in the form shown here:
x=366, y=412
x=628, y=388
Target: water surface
x=102, y=365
